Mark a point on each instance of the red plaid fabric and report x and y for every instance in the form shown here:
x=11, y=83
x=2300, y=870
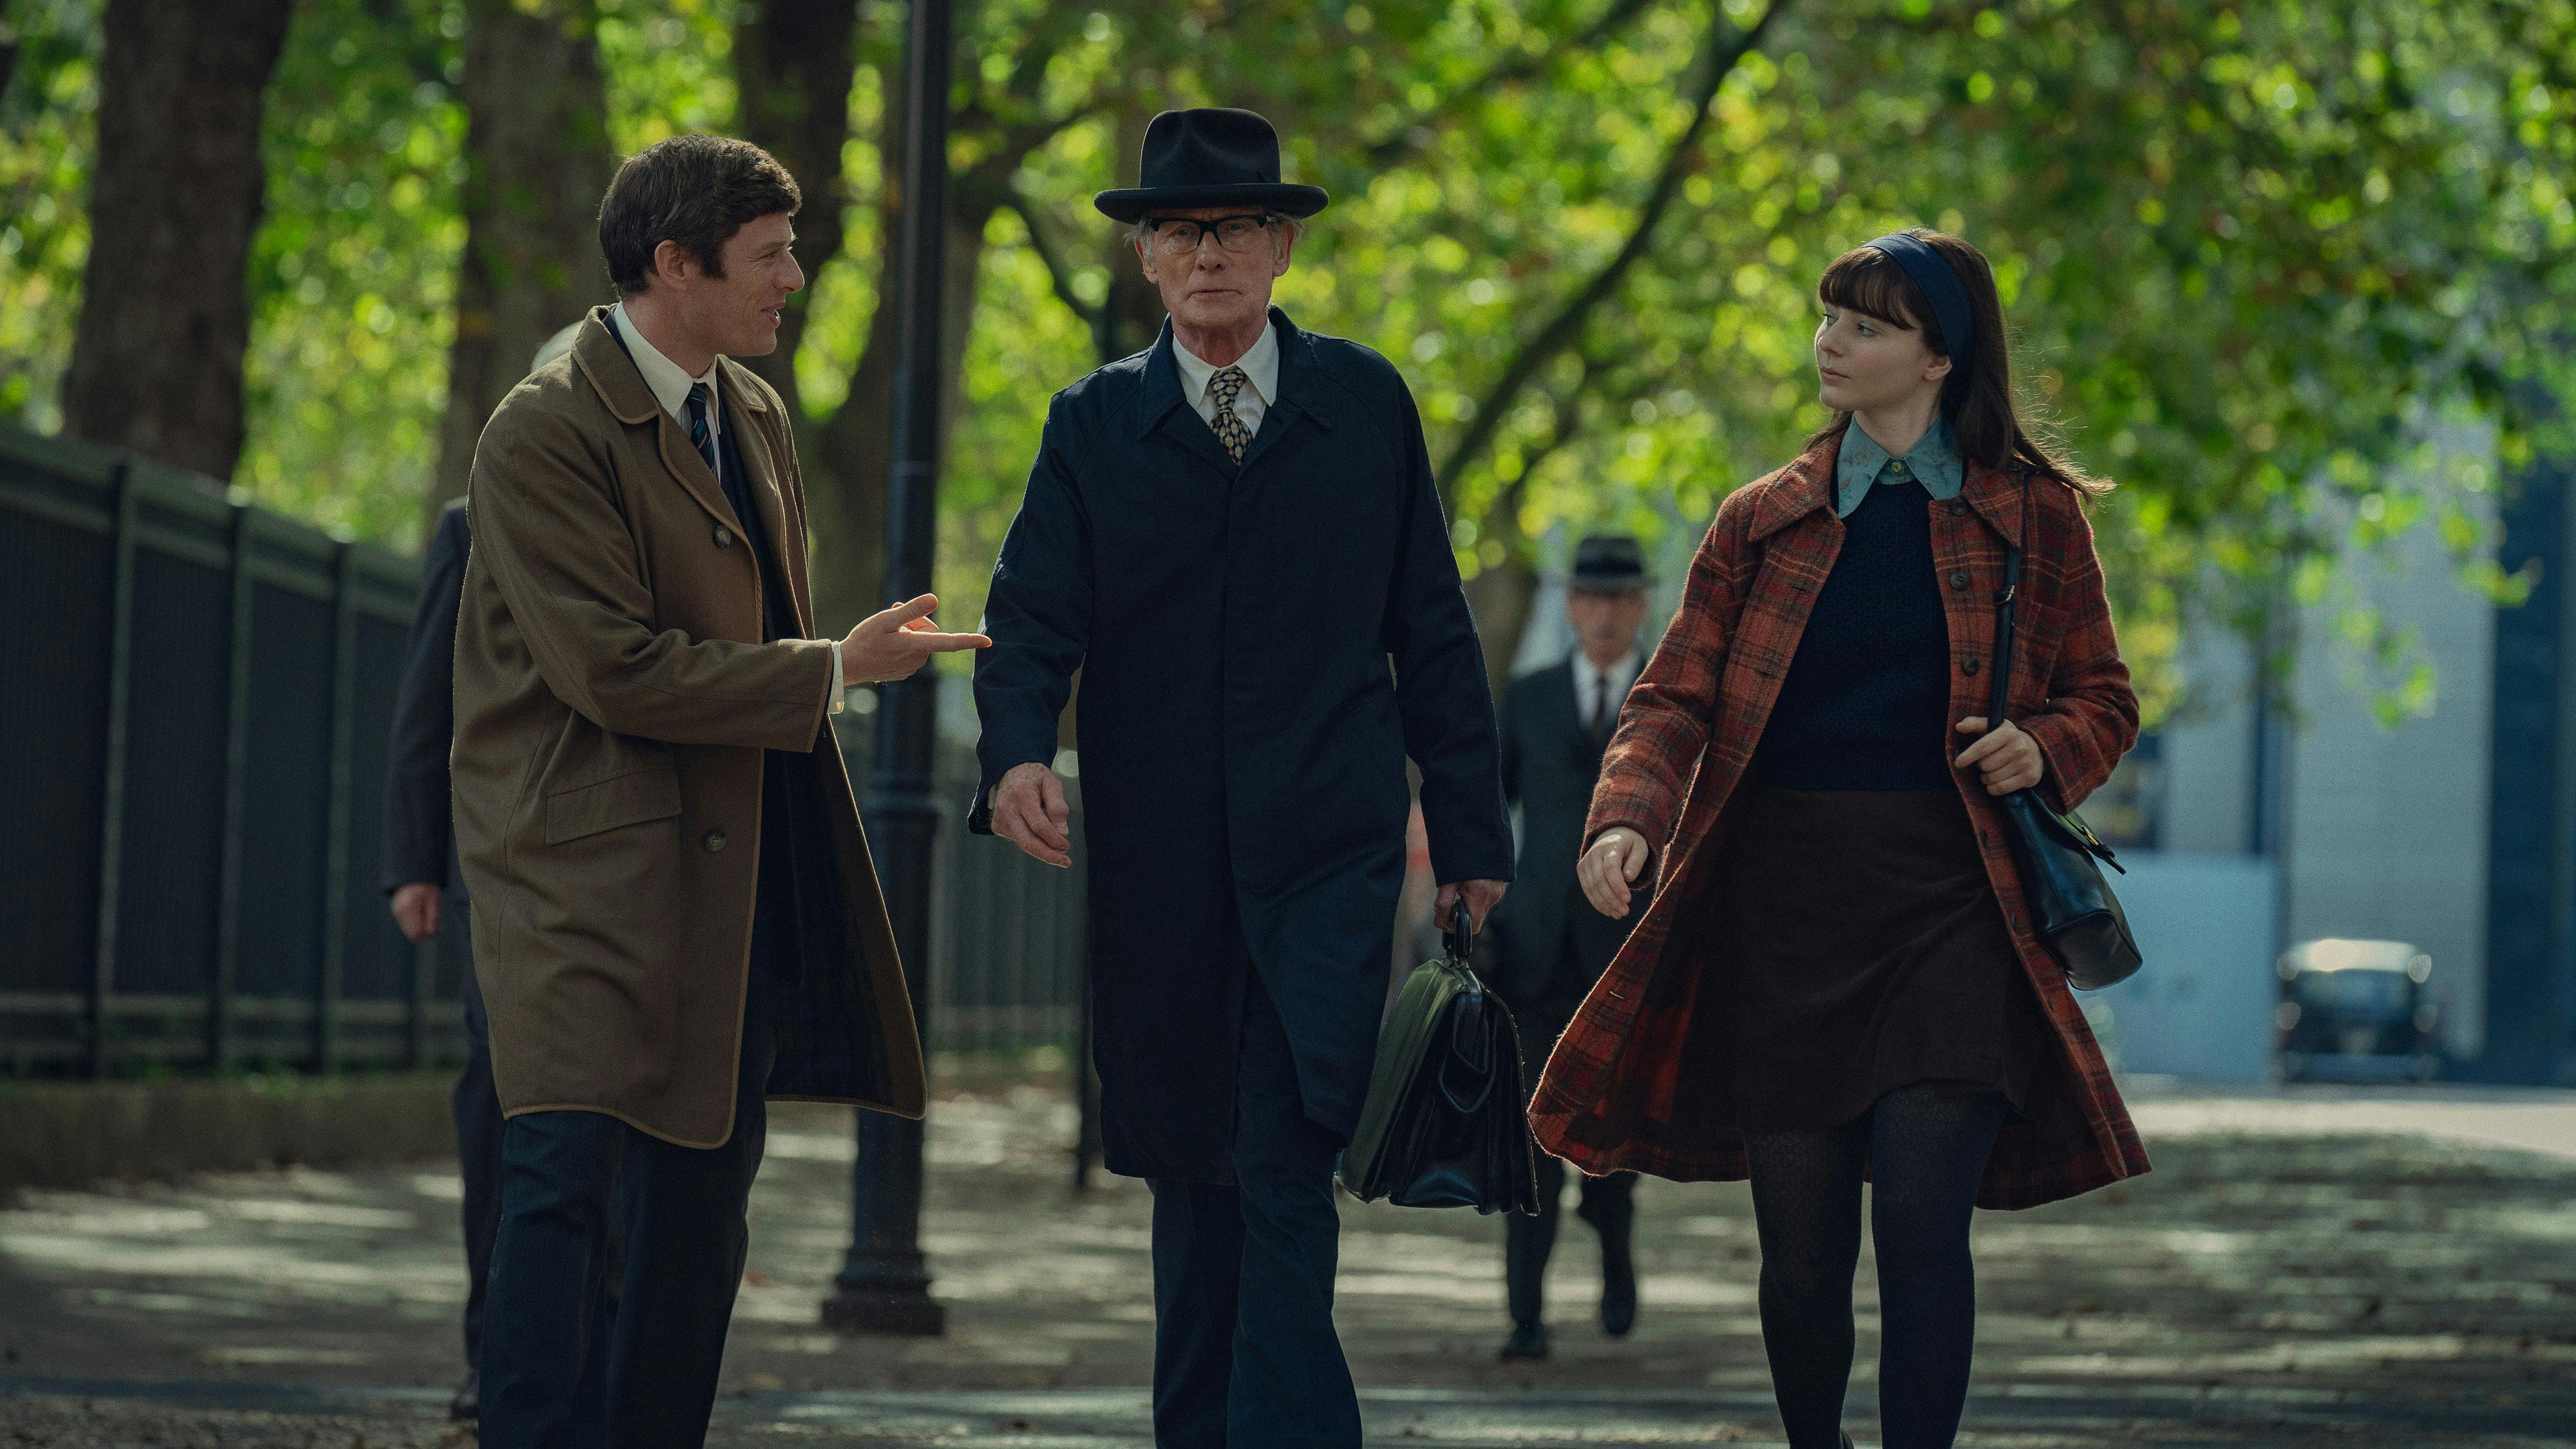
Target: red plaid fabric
x=1627, y=1088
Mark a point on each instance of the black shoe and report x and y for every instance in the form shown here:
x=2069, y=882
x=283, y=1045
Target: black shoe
x=1618, y=1290
x=467, y=1406
x=1528, y=1342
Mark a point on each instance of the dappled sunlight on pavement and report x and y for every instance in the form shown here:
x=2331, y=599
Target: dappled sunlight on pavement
x=2268, y=1285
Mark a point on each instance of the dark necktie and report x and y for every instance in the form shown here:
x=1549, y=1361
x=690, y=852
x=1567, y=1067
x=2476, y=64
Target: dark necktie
x=1599, y=714
x=1225, y=387
x=702, y=436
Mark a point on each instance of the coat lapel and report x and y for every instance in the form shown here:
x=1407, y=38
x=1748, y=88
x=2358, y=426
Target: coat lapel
x=604, y=360
x=1304, y=391
x=760, y=479
x=1797, y=490
x=1159, y=404
x=1997, y=497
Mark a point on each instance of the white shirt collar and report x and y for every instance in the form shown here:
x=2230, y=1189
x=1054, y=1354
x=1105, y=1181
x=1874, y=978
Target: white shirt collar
x=669, y=384
x=1260, y=367
x=1622, y=668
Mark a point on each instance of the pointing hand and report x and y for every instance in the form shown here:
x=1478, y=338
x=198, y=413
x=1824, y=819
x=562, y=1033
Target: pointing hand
x=896, y=642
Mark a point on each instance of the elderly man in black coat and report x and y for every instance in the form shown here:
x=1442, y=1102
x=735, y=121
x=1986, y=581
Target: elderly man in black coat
x=1234, y=535
x=1552, y=946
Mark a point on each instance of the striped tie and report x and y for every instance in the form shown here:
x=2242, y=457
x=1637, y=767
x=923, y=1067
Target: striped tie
x=701, y=436
x=1224, y=387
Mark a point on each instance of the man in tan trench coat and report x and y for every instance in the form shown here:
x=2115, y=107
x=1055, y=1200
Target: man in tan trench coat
x=678, y=916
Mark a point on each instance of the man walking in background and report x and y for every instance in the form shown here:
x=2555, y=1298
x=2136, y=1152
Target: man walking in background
x=429, y=900
x=1234, y=535
x=427, y=893
x=1552, y=946
x=678, y=914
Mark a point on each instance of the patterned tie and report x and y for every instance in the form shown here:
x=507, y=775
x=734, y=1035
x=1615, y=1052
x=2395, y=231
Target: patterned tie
x=701, y=436
x=1225, y=387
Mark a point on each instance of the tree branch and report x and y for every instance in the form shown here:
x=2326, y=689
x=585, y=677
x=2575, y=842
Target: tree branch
x=1058, y=275
x=1562, y=328
x=1507, y=71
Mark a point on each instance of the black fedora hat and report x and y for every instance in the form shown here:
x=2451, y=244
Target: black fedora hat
x=1609, y=562
x=1213, y=156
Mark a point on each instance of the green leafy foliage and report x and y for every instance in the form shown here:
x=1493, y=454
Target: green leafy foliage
x=2259, y=255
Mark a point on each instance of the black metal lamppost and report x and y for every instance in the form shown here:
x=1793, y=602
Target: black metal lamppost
x=884, y=1285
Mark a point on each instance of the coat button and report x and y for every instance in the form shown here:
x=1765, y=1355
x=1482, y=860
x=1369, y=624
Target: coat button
x=1958, y=578
x=724, y=536
x=713, y=840
x=1968, y=665
x=1958, y=505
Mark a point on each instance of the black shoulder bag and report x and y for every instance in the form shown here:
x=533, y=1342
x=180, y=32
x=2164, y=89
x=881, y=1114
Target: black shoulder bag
x=2072, y=908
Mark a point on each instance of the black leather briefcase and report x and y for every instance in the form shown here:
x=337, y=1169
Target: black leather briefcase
x=1443, y=1125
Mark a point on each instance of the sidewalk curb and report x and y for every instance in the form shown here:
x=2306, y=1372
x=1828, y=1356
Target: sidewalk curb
x=70, y=1134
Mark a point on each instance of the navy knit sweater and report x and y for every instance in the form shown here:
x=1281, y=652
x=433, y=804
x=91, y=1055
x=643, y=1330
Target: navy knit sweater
x=1866, y=704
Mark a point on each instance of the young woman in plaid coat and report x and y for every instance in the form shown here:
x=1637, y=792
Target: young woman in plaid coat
x=1835, y=975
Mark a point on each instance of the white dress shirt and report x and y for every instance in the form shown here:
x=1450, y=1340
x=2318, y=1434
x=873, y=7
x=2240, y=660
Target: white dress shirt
x=670, y=387
x=1261, y=380
x=669, y=384
x=1596, y=689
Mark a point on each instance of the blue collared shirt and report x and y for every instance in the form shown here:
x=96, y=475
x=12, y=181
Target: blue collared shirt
x=1933, y=462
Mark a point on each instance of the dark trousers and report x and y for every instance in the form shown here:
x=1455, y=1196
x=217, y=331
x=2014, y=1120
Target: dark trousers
x=560, y=1370
x=1609, y=1203
x=1244, y=1350
x=1925, y=1148
x=478, y=1134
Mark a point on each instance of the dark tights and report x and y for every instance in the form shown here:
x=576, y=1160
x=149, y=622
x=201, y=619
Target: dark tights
x=1925, y=1147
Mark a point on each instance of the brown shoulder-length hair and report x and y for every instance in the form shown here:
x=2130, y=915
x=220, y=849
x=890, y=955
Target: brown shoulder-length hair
x=1978, y=398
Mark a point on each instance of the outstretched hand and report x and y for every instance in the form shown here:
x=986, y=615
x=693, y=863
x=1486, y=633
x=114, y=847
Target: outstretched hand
x=894, y=643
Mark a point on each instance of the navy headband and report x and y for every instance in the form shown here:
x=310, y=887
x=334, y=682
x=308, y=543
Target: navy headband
x=1931, y=272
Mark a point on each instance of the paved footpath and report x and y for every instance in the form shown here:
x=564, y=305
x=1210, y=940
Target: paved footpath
x=2306, y=1268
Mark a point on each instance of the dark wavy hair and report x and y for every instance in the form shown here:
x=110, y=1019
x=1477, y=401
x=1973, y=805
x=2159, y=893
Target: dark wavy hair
x=1978, y=398
x=694, y=190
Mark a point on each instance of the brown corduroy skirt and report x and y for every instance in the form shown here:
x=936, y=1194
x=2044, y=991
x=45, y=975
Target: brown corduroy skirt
x=1863, y=951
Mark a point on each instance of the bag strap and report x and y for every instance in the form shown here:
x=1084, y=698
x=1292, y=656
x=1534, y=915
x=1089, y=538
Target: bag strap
x=2001, y=692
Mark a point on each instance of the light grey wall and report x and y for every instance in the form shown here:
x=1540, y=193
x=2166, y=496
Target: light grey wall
x=2384, y=829
x=2208, y=744
x=2387, y=827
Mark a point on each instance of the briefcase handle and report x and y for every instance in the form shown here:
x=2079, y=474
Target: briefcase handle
x=1460, y=938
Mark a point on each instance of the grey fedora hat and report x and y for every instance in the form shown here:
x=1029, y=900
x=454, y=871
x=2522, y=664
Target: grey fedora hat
x=1213, y=156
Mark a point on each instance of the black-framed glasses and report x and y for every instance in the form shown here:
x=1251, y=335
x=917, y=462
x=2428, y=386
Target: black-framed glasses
x=1175, y=236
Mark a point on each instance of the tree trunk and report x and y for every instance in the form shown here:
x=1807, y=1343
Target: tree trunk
x=537, y=162
x=794, y=61
x=1132, y=314
x=1500, y=598
x=176, y=197
x=846, y=471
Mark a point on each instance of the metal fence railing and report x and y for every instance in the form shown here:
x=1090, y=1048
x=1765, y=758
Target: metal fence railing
x=194, y=713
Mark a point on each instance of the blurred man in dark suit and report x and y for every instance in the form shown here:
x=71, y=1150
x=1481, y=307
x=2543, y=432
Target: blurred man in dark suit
x=429, y=897
x=1556, y=723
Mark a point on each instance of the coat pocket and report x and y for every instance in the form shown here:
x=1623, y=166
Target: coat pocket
x=608, y=804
